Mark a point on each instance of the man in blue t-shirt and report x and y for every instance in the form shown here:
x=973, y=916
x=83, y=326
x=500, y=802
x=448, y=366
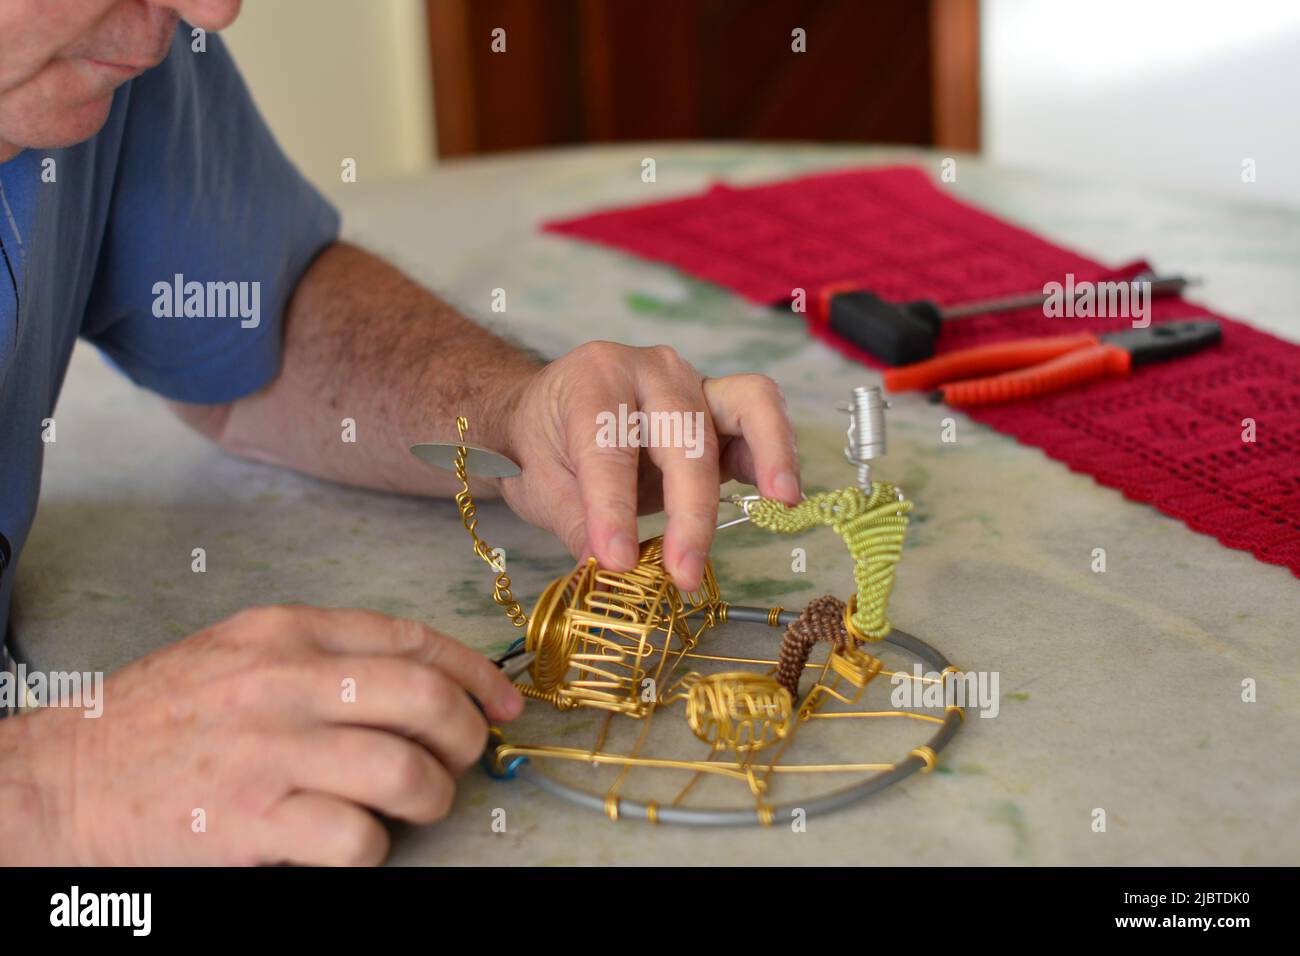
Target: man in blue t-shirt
x=145, y=207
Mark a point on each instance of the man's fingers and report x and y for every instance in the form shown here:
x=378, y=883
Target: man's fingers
x=361, y=632
x=687, y=457
x=736, y=461
x=607, y=493
x=379, y=770
x=752, y=407
x=317, y=829
x=402, y=697
x=606, y=470
x=567, y=519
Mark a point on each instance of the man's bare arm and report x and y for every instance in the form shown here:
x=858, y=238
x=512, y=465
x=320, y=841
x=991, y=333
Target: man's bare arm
x=361, y=341
x=365, y=343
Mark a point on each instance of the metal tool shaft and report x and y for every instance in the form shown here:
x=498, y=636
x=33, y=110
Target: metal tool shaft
x=1160, y=285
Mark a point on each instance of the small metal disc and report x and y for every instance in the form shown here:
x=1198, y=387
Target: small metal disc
x=480, y=462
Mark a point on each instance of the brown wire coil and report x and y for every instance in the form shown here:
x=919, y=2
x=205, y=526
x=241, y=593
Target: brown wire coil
x=821, y=621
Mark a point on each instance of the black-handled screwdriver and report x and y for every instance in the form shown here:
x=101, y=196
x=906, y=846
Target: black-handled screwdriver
x=900, y=333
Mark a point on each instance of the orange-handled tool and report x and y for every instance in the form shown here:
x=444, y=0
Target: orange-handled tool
x=1016, y=370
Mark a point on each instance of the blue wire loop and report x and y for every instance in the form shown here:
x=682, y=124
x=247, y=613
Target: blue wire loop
x=495, y=769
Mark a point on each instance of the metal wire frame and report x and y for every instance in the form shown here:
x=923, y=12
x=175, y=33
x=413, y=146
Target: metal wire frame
x=513, y=760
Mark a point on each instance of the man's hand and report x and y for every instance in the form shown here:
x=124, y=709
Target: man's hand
x=589, y=493
x=365, y=343
x=285, y=726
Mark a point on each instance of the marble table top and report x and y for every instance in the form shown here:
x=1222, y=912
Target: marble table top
x=1119, y=690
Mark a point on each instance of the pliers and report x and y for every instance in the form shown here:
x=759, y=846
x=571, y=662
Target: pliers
x=1025, y=368
x=515, y=661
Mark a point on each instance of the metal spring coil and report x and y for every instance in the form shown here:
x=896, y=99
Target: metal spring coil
x=469, y=518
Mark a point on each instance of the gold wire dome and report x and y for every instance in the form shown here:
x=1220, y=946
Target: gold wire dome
x=594, y=631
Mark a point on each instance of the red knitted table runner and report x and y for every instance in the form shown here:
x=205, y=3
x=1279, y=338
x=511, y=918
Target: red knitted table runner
x=1172, y=434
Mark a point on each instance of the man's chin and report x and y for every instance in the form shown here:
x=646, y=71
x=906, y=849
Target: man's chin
x=71, y=126
x=80, y=124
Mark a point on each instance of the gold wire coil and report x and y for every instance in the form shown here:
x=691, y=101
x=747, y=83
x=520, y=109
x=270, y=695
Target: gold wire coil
x=548, y=635
x=855, y=665
x=501, y=593
x=555, y=698
x=739, y=711
x=926, y=753
x=850, y=609
x=597, y=633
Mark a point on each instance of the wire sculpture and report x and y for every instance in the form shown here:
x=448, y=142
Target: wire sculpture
x=634, y=649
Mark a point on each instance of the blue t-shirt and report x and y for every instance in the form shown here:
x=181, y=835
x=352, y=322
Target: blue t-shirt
x=172, y=240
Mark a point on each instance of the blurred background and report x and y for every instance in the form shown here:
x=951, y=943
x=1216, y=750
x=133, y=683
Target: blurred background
x=1181, y=93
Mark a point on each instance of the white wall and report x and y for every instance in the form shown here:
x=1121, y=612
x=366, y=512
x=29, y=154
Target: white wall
x=1171, y=92
x=340, y=78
